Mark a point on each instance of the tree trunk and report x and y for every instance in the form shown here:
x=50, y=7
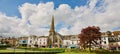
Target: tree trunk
x=90, y=47
x=83, y=46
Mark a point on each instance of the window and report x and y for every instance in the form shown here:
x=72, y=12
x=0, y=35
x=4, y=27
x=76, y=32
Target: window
x=104, y=38
x=104, y=42
x=35, y=42
x=44, y=39
x=24, y=41
x=67, y=43
x=65, y=38
x=30, y=41
x=69, y=38
x=100, y=42
x=44, y=43
x=40, y=39
x=74, y=37
x=40, y=42
x=72, y=42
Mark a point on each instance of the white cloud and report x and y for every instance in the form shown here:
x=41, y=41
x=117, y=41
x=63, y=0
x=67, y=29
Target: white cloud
x=8, y=24
x=106, y=16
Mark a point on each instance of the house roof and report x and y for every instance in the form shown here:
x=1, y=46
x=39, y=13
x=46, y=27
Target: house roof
x=22, y=38
x=114, y=33
x=43, y=36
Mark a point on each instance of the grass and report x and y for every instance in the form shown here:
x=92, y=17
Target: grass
x=26, y=52
x=33, y=50
x=76, y=53
x=13, y=50
x=67, y=51
x=45, y=49
x=90, y=53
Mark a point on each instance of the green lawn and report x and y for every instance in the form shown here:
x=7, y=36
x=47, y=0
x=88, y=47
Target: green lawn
x=76, y=53
x=14, y=50
x=100, y=51
x=32, y=50
x=67, y=51
x=89, y=53
x=60, y=53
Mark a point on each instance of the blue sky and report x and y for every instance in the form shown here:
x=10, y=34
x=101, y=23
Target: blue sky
x=10, y=7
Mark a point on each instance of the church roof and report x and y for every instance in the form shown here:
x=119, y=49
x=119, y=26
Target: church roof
x=59, y=35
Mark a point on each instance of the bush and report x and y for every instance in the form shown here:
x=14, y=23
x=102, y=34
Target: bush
x=75, y=50
x=4, y=46
x=52, y=49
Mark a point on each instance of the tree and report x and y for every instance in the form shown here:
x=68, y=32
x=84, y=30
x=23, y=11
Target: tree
x=109, y=33
x=89, y=37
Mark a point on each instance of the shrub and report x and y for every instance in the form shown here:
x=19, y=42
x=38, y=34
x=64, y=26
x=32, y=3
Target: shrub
x=75, y=50
x=4, y=46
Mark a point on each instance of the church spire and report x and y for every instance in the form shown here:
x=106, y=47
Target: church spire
x=52, y=25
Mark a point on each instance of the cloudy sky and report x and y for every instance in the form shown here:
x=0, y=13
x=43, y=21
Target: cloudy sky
x=25, y=17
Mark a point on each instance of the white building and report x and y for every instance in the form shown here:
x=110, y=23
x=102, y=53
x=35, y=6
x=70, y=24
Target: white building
x=69, y=40
x=104, y=41
x=42, y=41
x=32, y=41
x=110, y=39
x=67, y=43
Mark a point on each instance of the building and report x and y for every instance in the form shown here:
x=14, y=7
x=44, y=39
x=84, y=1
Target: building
x=110, y=40
x=23, y=41
x=104, y=40
x=42, y=41
x=32, y=41
x=54, y=39
x=70, y=40
x=12, y=41
x=1, y=40
x=8, y=41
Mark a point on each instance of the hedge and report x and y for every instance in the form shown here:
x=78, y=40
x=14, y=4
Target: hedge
x=4, y=46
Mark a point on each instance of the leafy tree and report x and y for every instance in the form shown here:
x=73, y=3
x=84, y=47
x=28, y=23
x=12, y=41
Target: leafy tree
x=89, y=37
x=109, y=33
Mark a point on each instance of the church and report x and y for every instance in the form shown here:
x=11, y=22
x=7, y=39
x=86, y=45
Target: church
x=54, y=38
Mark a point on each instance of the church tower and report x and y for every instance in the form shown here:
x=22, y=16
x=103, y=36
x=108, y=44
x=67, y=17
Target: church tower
x=54, y=39
x=51, y=34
